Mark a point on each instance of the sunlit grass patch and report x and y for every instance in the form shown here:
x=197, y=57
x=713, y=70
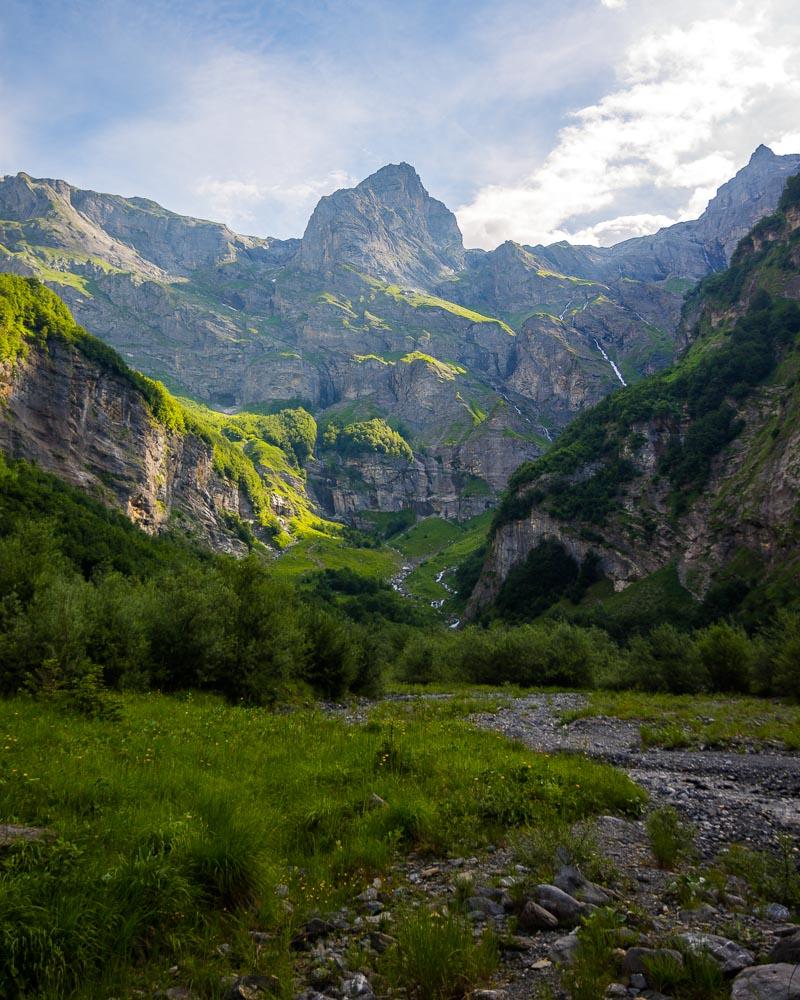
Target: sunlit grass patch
x=174, y=825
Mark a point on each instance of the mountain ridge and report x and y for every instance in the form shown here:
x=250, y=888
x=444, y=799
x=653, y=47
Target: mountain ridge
x=479, y=357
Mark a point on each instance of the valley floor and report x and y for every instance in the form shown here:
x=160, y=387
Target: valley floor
x=187, y=843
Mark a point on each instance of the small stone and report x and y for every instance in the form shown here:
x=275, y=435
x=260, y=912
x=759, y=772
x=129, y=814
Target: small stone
x=777, y=912
x=479, y=904
x=381, y=942
x=540, y=964
x=536, y=918
x=616, y=990
x=638, y=981
x=636, y=959
x=488, y=995
x=516, y=942
x=252, y=987
x=563, y=951
x=358, y=986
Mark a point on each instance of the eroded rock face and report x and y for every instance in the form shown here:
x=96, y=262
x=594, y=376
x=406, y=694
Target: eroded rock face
x=343, y=320
x=90, y=427
x=387, y=226
x=748, y=500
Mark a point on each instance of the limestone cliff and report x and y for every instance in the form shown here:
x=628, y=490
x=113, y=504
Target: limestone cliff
x=482, y=358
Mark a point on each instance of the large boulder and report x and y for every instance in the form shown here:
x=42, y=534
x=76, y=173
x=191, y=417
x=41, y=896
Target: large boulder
x=729, y=956
x=768, y=982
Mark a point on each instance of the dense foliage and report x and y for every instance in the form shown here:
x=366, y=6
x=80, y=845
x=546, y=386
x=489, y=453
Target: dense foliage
x=88, y=602
x=292, y=430
x=554, y=652
x=366, y=436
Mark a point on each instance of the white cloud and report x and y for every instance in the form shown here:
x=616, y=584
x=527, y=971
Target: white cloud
x=789, y=142
x=680, y=92
x=613, y=4
x=235, y=200
x=611, y=231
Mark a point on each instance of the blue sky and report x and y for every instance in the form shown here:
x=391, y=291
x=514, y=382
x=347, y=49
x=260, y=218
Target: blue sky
x=591, y=120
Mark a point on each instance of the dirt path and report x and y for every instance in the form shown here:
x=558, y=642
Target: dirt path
x=730, y=797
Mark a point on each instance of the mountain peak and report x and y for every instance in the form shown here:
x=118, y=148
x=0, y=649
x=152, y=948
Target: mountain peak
x=388, y=226
x=762, y=152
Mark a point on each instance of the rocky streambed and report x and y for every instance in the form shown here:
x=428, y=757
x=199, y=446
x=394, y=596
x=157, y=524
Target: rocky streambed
x=748, y=797
x=751, y=798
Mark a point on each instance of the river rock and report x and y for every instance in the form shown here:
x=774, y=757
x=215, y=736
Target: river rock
x=636, y=959
x=768, y=982
x=564, y=907
x=574, y=883
x=536, y=918
x=729, y=956
x=786, y=949
x=564, y=950
x=252, y=987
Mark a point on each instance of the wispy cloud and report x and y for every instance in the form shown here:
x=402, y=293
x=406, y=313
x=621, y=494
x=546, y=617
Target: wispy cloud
x=679, y=91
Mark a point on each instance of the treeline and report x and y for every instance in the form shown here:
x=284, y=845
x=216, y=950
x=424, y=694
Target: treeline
x=721, y=657
x=90, y=604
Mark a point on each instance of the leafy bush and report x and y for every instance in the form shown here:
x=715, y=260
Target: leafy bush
x=367, y=436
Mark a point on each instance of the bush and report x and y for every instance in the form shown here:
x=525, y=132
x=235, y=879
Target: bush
x=784, y=641
x=726, y=655
x=666, y=660
x=670, y=837
x=436, y=956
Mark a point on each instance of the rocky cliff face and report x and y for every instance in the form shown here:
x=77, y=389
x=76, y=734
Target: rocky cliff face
x=78, y=413
x=482, y=358
x=389, y=227
x=700, y=467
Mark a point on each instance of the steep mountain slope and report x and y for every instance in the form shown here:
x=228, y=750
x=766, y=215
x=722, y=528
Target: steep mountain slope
x=477, y=358
x=71, y=405
x=698, y=466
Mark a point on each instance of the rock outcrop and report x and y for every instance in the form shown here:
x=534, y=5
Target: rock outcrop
x=69, y=405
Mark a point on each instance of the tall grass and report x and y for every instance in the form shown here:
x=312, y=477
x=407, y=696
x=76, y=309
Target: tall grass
x=437, y=958
x=174, y=825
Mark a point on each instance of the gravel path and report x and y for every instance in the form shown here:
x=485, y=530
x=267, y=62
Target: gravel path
x=748, y=797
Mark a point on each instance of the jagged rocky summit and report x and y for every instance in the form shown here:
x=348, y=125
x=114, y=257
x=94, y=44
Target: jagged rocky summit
x=478, y=359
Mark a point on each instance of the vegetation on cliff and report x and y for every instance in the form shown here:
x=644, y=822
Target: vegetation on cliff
x=628, y=471
x=365, y=437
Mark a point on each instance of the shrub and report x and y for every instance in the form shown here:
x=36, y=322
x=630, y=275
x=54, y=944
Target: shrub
x=726, y=654
x=436, y=956
x=666, y=660
x=670, y=837
x=784, y=641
